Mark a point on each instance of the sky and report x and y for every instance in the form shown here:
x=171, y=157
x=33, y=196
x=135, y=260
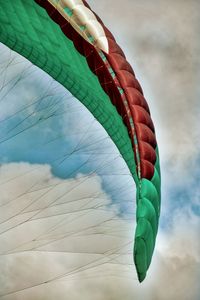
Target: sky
x=68, y=200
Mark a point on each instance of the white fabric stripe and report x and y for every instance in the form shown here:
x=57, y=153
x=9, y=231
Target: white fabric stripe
x=83, y=16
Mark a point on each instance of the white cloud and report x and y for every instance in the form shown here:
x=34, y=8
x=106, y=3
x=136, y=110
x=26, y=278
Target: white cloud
x=54, y=227
x=63, y=237
x=177, y=259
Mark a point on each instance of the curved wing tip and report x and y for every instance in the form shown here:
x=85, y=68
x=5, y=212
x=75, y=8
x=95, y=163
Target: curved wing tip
x=140, y=259
x=141, y=276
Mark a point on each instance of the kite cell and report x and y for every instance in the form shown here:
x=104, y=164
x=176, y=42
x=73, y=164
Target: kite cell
x=69, y=41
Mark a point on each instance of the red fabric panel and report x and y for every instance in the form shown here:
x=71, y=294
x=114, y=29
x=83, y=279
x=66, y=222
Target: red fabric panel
x=66, y=28
x=145, y=134
x=118, y=61
x=138, y=106
x=127, y=79
x=113, y=46
x=78, y=42
x=95, y=62
x=147, y=169
x=141, y=116
x=147, y=153
x=134, y=97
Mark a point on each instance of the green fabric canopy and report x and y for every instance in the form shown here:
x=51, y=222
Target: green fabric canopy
x=26, y=28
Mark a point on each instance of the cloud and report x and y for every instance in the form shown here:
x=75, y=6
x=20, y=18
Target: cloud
x=54, y=229
x=65, y=237
x=178, y=260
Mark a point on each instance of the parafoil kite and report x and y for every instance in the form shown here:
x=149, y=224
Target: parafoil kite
x=69, y=41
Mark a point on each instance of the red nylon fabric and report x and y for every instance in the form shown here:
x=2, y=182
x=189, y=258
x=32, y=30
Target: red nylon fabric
x=138, y=106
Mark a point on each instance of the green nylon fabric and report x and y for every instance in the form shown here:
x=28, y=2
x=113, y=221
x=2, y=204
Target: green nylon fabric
x=26, y=28
x=147, y=214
